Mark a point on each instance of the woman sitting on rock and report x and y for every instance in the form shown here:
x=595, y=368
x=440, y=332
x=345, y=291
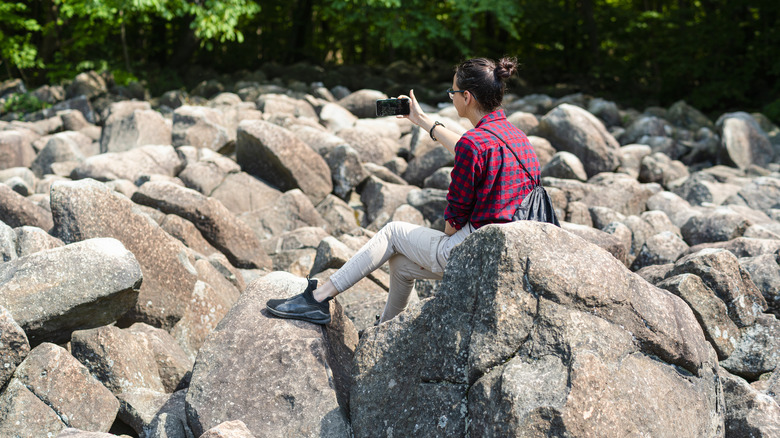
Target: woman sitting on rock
x=486, y=182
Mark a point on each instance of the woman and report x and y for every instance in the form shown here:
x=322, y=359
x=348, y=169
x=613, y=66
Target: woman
x=486, y=182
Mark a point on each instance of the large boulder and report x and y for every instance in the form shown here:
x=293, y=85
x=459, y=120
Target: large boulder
x=22, y=414
x=241, y=192
x=275, y=154
x=717, y=225
x=217, y=224
x=139, y=128
x=749, y=413
x=381, y=199
x=17, y=210
x=201, y=127
x=765, y=272
x=14, y=346
x=206, y=309
x=537, y=348
x=16, y=149
x=758, y=350
x=282, y=383
x=362, y=103
x=173, y=365
x=88, y=209
x=82, y=285
x=65, y=385
x=130, y=165
x=744, y=142
x=290, y=211
x=572, y=129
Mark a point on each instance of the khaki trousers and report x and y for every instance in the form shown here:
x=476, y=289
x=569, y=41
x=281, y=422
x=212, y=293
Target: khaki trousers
x=413, y=252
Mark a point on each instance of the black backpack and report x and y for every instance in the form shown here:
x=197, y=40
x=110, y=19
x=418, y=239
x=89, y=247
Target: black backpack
x=537, y=205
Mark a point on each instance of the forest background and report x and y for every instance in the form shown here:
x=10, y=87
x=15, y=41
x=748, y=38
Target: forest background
x=716, y=55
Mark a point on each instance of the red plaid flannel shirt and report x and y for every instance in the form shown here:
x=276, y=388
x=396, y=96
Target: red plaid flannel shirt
x=487, y=182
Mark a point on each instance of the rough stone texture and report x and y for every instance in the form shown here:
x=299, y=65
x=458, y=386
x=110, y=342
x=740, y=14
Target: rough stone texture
x=88, y=209
x=721, y=272
x=742, y=246
x=758, y=351
x=8, y=250
x=61, y=147
x=18, y=211
x=170, y=421
x=345, y=168
x=229, y=429
x=762, y=193
x=362, y=103
x=13, y=346
x=710, y=311
x=85, y=284
x=617, y=191
x=572, y=129
x=22, y=414
x=676, y=208
x=765, y=272
x=71, y=432
x=744, y=142
x=15, y=149
x=173, y=364
x=381, y=199
x=281, y=383
x=749, y=413
x=295, y=251
x=335, y=117
x=423, y=166
x=274, y=154
x=187, y=233
x=605, y=241
x=717, y=225
x=659, y=249
x=565, y=165
x=661, y=169
x=116, y=358
x=138, y=407
x=363, y=302
x=430, y=202
x=371, y=146
x=139, y=128
x=206, y=309
x=201, y=127
x=30, y=240
x=206, y=170
x=241, y=192
x=130, y=165
x=543, y=148
x=66, y=386
x=291, y=211
x=339, y=216
x=216, y=223
x=589, y=350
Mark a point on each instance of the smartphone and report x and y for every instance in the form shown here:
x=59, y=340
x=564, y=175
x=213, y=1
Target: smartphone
x=392, y=107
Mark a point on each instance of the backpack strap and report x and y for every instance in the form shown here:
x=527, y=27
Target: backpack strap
x=536, y=183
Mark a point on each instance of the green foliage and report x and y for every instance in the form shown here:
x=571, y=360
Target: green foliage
x=772, y=111
x=24, y=103
x=16, y=32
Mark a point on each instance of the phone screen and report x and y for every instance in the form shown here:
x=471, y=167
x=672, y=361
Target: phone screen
x=392, y=107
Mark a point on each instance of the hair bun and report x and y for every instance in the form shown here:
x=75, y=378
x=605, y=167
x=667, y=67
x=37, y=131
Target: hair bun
x=506, y=67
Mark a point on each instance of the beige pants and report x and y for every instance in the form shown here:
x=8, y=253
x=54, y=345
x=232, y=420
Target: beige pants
x=414, y=252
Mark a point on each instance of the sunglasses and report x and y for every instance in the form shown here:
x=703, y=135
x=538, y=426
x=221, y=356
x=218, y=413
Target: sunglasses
x=452, y=92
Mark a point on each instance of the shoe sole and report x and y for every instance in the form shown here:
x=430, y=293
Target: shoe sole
x=286, y=315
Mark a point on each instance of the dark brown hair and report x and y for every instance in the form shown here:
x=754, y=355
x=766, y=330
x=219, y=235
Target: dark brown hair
x=485, y=79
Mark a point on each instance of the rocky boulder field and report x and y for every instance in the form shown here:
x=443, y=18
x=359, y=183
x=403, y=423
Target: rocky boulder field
x=141, y=237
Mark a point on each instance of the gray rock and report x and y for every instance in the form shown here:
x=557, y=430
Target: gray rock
x=85, y=284
x=710, y=311
x=577, y=213
x=138, y=407
x=662, y=248
x=384, y=173
x=173, y=365
x=631, y=157
x=645, y=127
x=8, y=249
x=140, y=128
x=654, y=274
x=440, y=179
x=765, y=272
x=677, y=209
x=206, y=309
x=170, y=421
x=362, y=103
x=186, y=233
x=30, y=240
x=22, y=414
x=423, y=166
x=346, y=170
x=117, y=358
x=71, y=432
x=371, y=146
x=339, y=216
x=381, y=199
x=282, y=104
x=320, y=140
x=606, y=111
x=58, y=149
x=478, y=370
x=89, y=84
x=130, y=165
x=291, y=210
x=19, y=186
x=603, y=216
x=206, y=173
x=565, y=165
x=603, y=240
x=717, y=225
x=217, y=224
x=617, y=191
x=241, y=192
x=744, y=142
x=661, y=169
x=274, y=154
x=762, y=193
x=430, y=202
x=289, y=381
x=685, y=116
x=524, y=121
x=229, y=429
x=572, y=129
x=543, y=148
x=24, y=173
x=18, y=211
x=742, y=246
x=88, y=209
x=15, y=149
x=749, y=413
x=287, y=249
x=758, y=350
x=363, y=302
x=201, y=127
x=66, y=386
x=721, y=272
x=13, y=345
x=335, y=117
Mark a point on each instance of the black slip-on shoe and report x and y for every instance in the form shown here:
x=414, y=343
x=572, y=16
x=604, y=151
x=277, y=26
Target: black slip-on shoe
x=302, y=306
